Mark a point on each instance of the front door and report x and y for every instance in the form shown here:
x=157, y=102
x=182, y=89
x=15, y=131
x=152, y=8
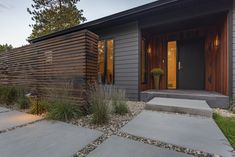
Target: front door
x=191, y=64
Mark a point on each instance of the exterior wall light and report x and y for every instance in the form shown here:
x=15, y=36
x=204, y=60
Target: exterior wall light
x=216, y=41
x=149, y=49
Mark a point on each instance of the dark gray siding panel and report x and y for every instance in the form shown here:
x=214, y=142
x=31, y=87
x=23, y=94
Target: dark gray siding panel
x=233, y=47
x=126, y=47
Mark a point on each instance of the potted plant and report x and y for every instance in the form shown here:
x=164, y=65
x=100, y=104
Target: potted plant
x=157, y=73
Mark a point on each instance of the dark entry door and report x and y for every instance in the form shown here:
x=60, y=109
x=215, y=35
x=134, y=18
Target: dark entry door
x=191, y=64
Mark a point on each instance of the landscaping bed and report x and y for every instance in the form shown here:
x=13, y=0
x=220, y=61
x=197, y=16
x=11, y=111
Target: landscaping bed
x=110, y=128
x=115, y=122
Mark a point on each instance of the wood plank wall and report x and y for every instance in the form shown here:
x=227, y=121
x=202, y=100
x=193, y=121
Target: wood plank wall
x=65, y=62
x=216, y=59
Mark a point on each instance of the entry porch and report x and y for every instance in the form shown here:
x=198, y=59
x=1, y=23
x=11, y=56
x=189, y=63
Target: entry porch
x=194, y=55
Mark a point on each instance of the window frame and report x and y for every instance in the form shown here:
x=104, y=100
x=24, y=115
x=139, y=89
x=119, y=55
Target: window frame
x=145, y=65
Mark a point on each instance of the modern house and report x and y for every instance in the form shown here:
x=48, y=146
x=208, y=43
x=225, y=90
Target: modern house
x=193, y=41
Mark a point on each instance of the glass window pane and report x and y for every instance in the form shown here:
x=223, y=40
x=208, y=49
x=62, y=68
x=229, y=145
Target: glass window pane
x=171, y=72
x=109, y=72
x=101, y=50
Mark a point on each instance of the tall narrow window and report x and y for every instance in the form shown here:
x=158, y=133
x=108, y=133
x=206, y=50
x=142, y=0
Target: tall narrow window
x=171, y=72
x=143, y=62
x=109, y=72
x=101, y=50
x=106, y=62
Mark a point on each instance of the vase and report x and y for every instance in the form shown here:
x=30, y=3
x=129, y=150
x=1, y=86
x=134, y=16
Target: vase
x=156, y=82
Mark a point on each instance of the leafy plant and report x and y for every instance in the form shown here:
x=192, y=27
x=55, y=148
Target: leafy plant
x=157, y=72
x=119, y=101
x=63, y=111
x=23, y=102
x=8, y=95
x=38, y=106
x=99, y=104
x=2, y=91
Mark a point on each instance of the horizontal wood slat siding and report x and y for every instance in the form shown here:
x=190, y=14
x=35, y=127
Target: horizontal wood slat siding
x=53, y=64
x=126, y=50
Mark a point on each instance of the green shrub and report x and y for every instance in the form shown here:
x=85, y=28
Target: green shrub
x=8, y=95
x=99, y=104
x=38, y=106
x=63, y=111
x=157, y=72
x=119, y=101
x=2, y=91
x=23, y=102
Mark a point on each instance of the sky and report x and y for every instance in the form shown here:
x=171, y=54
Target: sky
x=15, y=20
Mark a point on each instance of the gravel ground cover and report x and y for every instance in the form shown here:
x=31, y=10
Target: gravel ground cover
x=111, y=128
x=224, y=113
x=116, y=122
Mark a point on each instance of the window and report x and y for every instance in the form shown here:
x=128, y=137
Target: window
x=106, y=62
x=171, y=72
x=143, y=62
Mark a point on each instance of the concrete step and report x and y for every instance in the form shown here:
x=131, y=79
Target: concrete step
x=186, y=106
x=213, y=99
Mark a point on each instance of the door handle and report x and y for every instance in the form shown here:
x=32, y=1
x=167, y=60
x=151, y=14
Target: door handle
x=179, y=66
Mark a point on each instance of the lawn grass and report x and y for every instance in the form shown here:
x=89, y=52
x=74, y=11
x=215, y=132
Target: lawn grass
x=227, y=125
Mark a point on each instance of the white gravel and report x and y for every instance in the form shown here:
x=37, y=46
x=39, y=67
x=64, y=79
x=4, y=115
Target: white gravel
x=115, y=121
x=111, y=128
x=224, y=113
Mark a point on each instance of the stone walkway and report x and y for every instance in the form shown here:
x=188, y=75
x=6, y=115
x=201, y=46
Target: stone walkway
x=120, y=147
x=25, y=135
x=196, y=132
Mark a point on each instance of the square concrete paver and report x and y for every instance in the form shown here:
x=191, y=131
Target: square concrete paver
x=44, y=139
x=2, y=109
x=14, y=118
x=192, y=132
x=121, y=147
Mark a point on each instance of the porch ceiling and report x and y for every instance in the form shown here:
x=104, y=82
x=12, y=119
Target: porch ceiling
x=197, y=22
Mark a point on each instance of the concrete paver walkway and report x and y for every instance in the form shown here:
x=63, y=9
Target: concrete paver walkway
x=58, y=139
x=14, y=118
x=121, y=147
x=191, y=132
x=44, y=139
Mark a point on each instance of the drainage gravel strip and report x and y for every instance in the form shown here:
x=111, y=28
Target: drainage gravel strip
x=19, y=126
x=116, y=123
x=166, y=145
x=92, y=146
x=5, y=111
